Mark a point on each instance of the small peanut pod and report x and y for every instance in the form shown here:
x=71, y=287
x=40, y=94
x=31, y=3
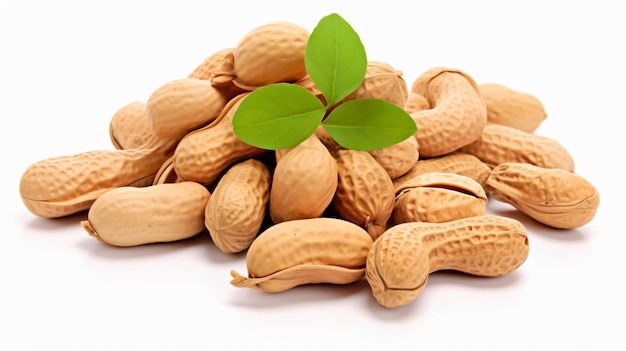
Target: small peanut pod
x=456, y=162
x=457, y=115
x=206, y=68
x=305, y=251
x=552, y=196
x=205, y=153
x=304, y=182
x=512, y=108
x=182, y=105
x=499, y=144
x=400, y=261
x=399, y=158
x=132, y=216
x=415, y=102
x=365, y=194
x=438, y=197
x=129, y=127
x=64, y=185
x=270, y=53
x=237, y=206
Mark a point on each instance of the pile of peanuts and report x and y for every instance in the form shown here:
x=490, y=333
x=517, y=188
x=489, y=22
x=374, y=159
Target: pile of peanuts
x=318, y=212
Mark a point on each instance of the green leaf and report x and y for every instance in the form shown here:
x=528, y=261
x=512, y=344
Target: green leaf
x=335, y=58
x=369, y=124
x=277, y=116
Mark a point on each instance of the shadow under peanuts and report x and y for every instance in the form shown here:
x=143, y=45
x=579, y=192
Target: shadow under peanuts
x=56, y=224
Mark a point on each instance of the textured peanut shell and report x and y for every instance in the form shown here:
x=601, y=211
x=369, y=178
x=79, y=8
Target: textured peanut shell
x=182, y=105
x=129, y=127
x=63, y=185
x=456, y=162
x=365, y=194
x=205, y=69
x=457, y=115
x=400, y=261
x=205, y=153
x=270, y=53
x=304, y=182
x=399, y=158
x=512, y=108
x=499, y=144
x=415, y=102
x=237, y=207
x=552, y=196
x=131, y=216
x=305, y=251
x=438, y=197
x=166, y=173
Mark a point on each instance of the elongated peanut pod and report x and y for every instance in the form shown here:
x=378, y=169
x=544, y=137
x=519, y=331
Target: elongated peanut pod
x=552, y=196
x=457, y=115
x=305, y=251
x=500, y=144
x=235, y=212
x=130, y=216
x=512, y=108
x=400, y=261
x=63, y=185
x=129, y=127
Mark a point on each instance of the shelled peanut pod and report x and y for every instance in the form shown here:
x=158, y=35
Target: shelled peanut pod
x=305, y=251
x=552, y=196
x=400, y=261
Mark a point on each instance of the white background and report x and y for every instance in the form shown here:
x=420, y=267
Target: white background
x=67, y=66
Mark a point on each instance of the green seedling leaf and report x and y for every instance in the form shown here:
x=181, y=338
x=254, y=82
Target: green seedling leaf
x=335, y=58
x=369, y=124
x=277, y=116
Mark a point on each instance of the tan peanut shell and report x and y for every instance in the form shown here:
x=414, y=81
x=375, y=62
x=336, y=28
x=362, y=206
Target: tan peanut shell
x=512, y=108
x=304, y=182
x=63, y=185
x=166, y=173
x=415, y=102
x=399, y=158
x=365, y=194
x=400, y=261
x=235, y=212
x=182, y=105
x=457, y=115
x=552, y=196
x=129, y=127
x=132, y=216
x=205, y=153
x=270, y=53
x=305, y=251
x=456, y=162
x=438, y=197
x=499, y=144
x=205, y=69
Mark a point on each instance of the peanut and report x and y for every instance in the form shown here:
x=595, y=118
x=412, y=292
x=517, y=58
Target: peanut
x=304, y=182
x=237, y=206
x=182, y=105
x=305, y=251
x=456, y=162
x=270, y=53
x=399, y=158
x=400, y=261
x=457, y=115
x=131, y=216
x=552, y=196
x=63, y=185
x=365, y=194
x=438, y=197
x=415, y=102
x=500, y=144
x=166, y=173
x=205, y=153
x=512, y=108
x=129, y=127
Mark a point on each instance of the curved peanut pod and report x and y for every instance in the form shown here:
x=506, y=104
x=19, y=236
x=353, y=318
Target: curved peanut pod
x=438, y=197
x=400, y=261
x=235, y=212
x=130, y=216
x=552, y=196
x=64, y=185
x=457, y=115
x=305, y=251
x=499, y=144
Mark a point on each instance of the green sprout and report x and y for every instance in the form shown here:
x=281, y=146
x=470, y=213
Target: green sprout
x=282, y=115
